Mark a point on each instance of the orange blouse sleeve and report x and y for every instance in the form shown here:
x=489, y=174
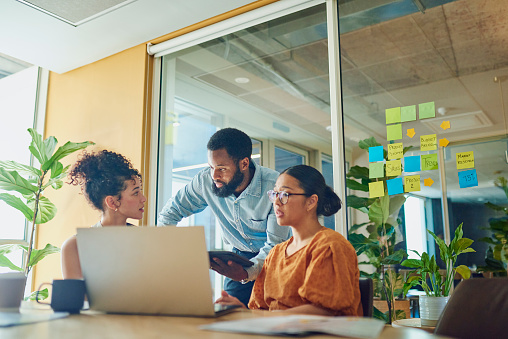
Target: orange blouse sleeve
x=330, y=281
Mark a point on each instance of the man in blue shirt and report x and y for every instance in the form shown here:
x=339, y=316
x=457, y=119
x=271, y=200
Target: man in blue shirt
x=234, y=187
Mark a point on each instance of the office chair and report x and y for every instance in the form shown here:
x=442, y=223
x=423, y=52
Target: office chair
x=478, y=308
x=367, y=296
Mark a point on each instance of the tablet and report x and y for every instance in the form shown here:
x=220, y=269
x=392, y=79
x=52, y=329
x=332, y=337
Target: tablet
x=226, y=256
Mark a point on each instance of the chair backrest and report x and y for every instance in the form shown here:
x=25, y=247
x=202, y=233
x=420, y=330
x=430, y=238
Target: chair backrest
x=367, y=296
x=478, y=308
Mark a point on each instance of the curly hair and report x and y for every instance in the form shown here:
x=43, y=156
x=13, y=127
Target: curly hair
x=102, y=174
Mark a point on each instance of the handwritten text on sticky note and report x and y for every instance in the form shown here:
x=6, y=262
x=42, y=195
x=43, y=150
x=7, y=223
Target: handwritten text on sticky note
x=393, y=168
x=465, y=160
x=395, y=151
x=412, y=183
x=428, y=142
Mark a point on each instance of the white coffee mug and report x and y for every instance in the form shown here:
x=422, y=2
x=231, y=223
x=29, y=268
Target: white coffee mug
x=12, y=289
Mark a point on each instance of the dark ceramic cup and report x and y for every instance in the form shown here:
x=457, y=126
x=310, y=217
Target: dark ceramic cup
x=68, y=295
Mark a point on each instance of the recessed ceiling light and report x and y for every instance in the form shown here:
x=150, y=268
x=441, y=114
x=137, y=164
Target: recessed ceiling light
x=242, y=80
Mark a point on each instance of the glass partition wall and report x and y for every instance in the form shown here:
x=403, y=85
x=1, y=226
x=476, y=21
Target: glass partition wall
x=427, y=81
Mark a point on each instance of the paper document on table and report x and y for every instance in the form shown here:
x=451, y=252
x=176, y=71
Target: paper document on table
x=357, y=327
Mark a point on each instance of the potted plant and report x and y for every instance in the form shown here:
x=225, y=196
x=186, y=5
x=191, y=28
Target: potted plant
x=377, y=238
x=29, y=184
x=427, y=275
x=496, y=258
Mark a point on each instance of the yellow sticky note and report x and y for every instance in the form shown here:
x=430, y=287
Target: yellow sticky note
x=376, y=189
x=412, y=183
x=465, y=160
x=393, y=168
x=392, y=115
x=394, y=132
x=428, y=142
x=395, y=151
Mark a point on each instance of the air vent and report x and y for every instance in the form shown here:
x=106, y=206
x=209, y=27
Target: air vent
x=76, y=12
x=459, y=122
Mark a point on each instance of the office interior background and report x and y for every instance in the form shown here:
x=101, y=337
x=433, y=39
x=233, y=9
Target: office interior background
x=307, y=80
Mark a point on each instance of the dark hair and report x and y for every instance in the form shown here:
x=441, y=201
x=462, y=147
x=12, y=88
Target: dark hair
x=313, y=182
x=237, y=143
x=102, y=174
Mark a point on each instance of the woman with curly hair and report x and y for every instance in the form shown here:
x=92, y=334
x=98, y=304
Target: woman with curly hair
x=112, y=186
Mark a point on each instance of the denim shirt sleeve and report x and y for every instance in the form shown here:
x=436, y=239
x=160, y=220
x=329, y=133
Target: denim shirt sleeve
x=275, y=234
x=187, y=201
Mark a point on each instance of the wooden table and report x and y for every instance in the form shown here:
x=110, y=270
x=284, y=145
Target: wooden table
x=90, y=324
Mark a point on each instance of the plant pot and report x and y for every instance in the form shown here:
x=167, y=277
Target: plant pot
x=431, y=309
x=12, y=289
x=400, y=304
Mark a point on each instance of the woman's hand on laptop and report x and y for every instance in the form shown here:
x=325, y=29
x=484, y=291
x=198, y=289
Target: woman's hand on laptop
x=227, y=299
x=230, y=269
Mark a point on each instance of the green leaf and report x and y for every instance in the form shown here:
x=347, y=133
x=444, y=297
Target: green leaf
x=43, y=294
x=370, y=142
x=25, y=170
x=38, y=255
x=12, y=181
x=355, y=185
x=464, y=271
x=65, y=150
x=462, y=244
x=356, y=227
x=18, y=204
x=46, y=211
x=49, y=146
x=412, y=263
x=358, y=172
x=379, y=211
x=5, y=262
x=495, y=207
x=358, y=202
x=37, y=147
x=56, y=169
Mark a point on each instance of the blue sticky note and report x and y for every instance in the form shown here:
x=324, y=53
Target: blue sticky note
x=412, y=164
x=468, y=178
x=395, y=186
x=376, y=154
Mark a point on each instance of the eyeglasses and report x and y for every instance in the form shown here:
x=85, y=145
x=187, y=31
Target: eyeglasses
x=283, y=196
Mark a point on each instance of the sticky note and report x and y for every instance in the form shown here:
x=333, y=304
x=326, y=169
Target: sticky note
x=465, y=160
x=395, y=151
x=412, y=164
x=394, y=132
x=429, y=162
x=392, y=115
x=393, y=168
x=412, y=183
x=376, y=189
x=376, y=170
x=376, y=154
x=468, y=178
x=427, y=110
x=408, y=113
x=394, y=186
x=428, y=142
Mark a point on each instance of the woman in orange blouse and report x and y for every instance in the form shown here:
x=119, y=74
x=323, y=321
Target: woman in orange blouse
x=316, y=270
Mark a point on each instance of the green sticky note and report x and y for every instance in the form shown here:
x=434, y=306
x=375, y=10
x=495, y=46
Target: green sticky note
x=393, y=168
x=376, y=189
x=392, y=115
x=429, y=162
x=376, y=170
x=408, y=113
x=427, y=110
x=394, y=132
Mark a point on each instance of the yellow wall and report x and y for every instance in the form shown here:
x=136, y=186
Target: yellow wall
x=104, y=102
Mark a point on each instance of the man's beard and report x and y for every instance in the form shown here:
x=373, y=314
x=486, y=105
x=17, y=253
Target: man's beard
x=229, y=188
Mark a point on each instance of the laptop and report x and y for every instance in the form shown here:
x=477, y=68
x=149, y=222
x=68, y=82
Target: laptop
x=147, y=270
